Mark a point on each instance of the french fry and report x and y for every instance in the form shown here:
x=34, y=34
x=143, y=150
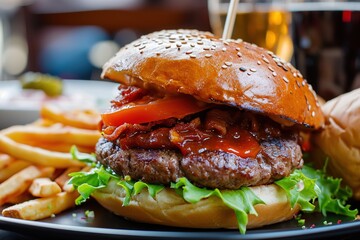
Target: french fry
x=42, y=122
x=86, y=119
x=13, y=167
x=20, y=182
x=43, y=148
x=56, y=147
x=44, y=187
x=25, y=196
x=42, y=207
x=37, y=155
x=64, y=135
x=5, y=160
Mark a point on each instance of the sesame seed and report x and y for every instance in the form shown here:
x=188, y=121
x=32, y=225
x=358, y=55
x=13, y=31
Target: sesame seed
x=168, y=46
x=137, y=44
x=141, y=52
x=258, y=63
x=192, y=45
x=249, y=73
x=294, y=74
x=225, y=42
x=237, y=49
x=228, y=64
x=309, y=107
x=297, y=83
x=239, y=54
x=224, y=66
x=299, y=75
x=206, y=48
x=285, y=79
x=279, y=64
x=200, y=42
x=183, y=42
x=171, y=41
x=172, y=38
x=271, y=69
x=285, y=68
x=274, y=74
x=253, y=69
x=142, y=47
x=224, y=49
x=192, y=55
x=313, y=114
x=189, y=52
x=208, y=55
x=303, y=83
x=178, y=45
x=265, y=60
x=242, y=69
x=212, y=48
x=157, y=54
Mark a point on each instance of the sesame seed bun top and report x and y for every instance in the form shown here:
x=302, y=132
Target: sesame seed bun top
x=230, y=72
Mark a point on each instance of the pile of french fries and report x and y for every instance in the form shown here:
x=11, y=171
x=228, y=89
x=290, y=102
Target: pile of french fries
x=35, y=162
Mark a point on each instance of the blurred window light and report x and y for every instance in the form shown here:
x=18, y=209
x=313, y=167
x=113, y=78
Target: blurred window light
x=15, y=56
x=9, y=5
x=102, y=52
x=1, y=47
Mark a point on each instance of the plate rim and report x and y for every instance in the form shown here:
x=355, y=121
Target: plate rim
x=338, y=229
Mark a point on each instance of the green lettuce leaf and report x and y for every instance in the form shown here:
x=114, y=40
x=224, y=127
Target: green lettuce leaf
x=310, y=188
x=313, y=190
x=333, y=197
x=83, y=157
x=242, y=201
x=88, y=182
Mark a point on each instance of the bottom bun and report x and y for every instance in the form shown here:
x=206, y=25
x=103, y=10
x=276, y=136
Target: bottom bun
x=168, y=208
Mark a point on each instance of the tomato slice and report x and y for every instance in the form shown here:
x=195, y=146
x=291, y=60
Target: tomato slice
x=176, y=106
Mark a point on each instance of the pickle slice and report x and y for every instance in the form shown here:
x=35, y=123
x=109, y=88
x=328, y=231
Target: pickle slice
x=50, y=85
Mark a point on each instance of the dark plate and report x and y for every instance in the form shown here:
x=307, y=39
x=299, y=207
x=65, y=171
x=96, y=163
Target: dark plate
x=74, y=225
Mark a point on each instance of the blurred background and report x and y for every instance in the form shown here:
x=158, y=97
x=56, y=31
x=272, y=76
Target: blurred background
x=73, y=38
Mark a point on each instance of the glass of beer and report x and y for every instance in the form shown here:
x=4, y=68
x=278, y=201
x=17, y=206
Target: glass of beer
x=321, y=38
x=265, y=23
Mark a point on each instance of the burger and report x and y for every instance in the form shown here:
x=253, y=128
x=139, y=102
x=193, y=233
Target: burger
x=204, y=133
x=342, y=123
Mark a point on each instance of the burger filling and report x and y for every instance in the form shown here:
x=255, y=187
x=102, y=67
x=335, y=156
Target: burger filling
x=159, y=139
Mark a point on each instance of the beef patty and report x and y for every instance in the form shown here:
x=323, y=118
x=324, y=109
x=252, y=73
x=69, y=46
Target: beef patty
x=214, y=169
x=219, y=148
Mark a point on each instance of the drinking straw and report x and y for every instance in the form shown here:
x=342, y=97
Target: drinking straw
x=230, y=19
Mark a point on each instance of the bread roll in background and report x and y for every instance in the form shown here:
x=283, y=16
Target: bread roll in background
x=340, y=140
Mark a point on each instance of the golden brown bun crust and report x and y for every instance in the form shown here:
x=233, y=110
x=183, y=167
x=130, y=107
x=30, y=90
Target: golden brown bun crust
x=340, y=139
x=227, y=72
x=169, y=209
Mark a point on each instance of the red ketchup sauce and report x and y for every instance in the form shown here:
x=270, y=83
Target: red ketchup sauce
x=237, y=141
